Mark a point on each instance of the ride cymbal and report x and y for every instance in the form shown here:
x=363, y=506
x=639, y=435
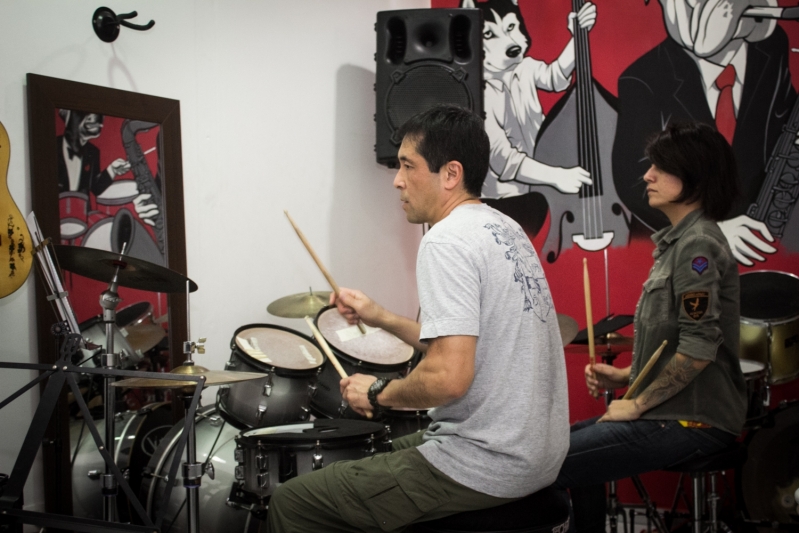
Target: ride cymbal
x=133, y=273
x=299, y=305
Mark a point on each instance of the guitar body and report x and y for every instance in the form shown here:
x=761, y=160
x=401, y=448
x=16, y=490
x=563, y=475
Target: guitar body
x=571, y=222
x=15, y=240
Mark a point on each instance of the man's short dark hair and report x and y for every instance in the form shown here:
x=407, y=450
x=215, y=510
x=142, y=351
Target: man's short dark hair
x=447, y=133
x=703, y=159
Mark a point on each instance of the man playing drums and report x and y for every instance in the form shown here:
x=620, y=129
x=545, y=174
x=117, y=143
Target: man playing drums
x=494, y=367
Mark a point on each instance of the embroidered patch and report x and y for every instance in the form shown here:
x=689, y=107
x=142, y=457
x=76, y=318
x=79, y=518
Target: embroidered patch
x=699, y=264
x=695, y=303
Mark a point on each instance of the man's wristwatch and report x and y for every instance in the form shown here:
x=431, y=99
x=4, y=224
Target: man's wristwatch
x=376, y=388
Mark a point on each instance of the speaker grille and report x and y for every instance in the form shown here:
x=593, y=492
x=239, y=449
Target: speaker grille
x=421, y=88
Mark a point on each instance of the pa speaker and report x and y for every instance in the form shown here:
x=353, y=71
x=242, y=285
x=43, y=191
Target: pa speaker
x=424, y=57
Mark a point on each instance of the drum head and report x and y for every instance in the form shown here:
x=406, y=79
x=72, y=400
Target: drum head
x=278, y=347
x=328, y=431
x=769, y=295
x=377, y=346
x=752, y=367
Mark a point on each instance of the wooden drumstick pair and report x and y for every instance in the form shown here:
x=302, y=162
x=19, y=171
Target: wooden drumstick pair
x=325, y=273
x=592, y=357
x=329, y=353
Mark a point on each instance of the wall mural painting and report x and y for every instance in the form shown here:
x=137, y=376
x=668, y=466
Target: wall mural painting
x=109, y=193
x=573, y=91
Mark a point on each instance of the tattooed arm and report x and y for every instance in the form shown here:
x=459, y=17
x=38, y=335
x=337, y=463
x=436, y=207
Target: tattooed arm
x=680, y=371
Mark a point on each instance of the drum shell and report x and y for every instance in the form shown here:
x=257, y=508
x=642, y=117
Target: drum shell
x=212, y=434
x=783, y=350
x=281, y=461
x=290, y=391
x=137, y=437
x=757, y=391
x=405, y=422
x=770, y=322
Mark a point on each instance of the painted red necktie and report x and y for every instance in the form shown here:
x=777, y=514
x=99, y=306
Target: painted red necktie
x=725, y=108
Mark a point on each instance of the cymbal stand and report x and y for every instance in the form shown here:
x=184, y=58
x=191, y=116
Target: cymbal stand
x=614, y=509
x=192, y=470
x=109, y=300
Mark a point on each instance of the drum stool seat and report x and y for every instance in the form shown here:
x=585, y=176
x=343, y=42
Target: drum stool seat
x=707, y=517
x=545, y=511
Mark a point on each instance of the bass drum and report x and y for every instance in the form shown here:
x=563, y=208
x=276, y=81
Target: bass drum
x=215, y=438
x=769, y=479
x=138, y=434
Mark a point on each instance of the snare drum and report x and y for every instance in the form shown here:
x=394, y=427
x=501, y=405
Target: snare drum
x=137, y=437
x=757, y=391
x=267, y=457
x=215, y=447
x=290, y=362
x=770, y=322
x=377, y=353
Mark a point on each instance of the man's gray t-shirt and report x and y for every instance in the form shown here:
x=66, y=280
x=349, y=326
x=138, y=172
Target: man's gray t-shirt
x=478, y=275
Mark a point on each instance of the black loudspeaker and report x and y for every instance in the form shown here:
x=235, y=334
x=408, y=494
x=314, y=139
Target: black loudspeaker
x=424, y=57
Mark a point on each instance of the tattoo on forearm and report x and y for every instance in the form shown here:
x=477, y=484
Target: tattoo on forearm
x=680, y=371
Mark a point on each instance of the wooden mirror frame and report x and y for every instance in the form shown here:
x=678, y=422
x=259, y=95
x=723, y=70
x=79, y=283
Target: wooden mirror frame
x=45, y=96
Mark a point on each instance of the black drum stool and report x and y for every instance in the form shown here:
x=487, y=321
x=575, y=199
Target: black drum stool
x=704, y=515
x=545, y=511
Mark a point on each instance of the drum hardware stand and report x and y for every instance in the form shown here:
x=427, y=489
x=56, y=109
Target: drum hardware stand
x=56, y=375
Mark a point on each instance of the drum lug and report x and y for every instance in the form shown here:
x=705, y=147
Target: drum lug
x=262, y=480
x=259, y=414
x=224, y=390
x=238, y=455
x=311, y=390
x=371, y=450
x=268, y=385
x=767, y=399
x=318, y=459
x=262, y=461
x=230, y=365
x=238, y=473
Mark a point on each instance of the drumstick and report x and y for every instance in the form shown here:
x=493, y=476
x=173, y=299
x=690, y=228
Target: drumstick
x=325, y=273
x=328, y=352
x=645, y=371
x=589, y=315
x=326, y=348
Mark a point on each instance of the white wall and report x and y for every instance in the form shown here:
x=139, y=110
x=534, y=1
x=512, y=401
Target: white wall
x=276, y=103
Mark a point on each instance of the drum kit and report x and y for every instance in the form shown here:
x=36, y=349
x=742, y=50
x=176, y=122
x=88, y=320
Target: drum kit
x=279, y=412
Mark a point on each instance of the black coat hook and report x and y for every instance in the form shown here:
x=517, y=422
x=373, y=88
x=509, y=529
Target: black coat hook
x=106, y=23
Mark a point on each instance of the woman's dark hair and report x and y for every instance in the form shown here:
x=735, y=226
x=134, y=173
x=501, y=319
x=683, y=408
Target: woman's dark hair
x=703, y=159
x=446, y=133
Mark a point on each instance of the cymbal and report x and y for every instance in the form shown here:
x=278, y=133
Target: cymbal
x=614, y=339
x=568, y=328
x=143, y=337
x=133, y=273
x=212, y=377
x=299, y=305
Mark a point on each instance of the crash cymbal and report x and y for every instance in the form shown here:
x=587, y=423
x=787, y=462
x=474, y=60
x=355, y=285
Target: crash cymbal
x=212, y=377
x=133, y=273
x=143, y=337
x=568, y=328
x=299, y=305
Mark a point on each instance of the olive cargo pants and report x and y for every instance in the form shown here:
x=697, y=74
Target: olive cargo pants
x=386, y=492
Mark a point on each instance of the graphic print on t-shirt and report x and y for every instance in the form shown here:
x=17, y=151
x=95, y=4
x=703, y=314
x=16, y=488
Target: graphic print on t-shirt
x=527, y=269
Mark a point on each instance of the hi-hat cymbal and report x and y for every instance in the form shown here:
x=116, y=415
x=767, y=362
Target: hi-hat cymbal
x=143, y=337
x=133, y=273
x=568, y=328
x=614, y=339
x=212, y=377
x=299, y=305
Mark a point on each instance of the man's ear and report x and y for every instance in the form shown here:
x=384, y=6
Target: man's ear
x=453, y=174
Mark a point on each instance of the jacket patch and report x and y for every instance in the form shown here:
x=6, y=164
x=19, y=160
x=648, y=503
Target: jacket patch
x=699, y=264
x=695, y=303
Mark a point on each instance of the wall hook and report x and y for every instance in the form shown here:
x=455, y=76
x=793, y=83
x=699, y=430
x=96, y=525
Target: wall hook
x=106, y=23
